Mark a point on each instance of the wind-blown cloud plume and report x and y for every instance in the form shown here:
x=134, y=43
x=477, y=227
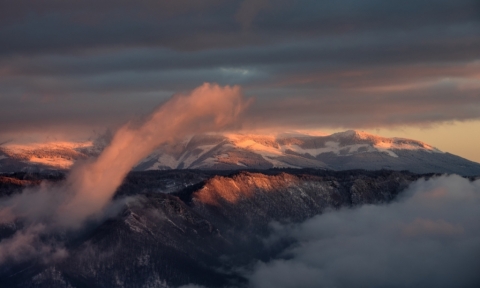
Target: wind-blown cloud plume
x=90, y=185
x=429, y=238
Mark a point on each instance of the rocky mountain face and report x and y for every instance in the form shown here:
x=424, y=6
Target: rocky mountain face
x=199, y=233
x=339, y=151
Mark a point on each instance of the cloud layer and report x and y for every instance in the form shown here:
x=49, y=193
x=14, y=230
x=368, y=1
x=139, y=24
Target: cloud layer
x=428, y=238
x=309, y=63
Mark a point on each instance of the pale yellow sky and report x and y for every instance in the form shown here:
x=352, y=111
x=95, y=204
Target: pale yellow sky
x=459, y=138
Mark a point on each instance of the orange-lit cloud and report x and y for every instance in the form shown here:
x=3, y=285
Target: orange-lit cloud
x=209, y=107
x=90, y=185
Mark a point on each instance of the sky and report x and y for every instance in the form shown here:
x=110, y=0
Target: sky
x=71, y=69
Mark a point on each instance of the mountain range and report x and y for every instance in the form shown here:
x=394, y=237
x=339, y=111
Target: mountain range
x=201, y=233
x=340, y=151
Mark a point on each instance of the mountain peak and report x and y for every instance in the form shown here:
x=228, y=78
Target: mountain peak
x=359, y=135
x=351, y=149
x=348, y=133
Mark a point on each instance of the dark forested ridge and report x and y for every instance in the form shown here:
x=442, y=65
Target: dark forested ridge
x=186, y=226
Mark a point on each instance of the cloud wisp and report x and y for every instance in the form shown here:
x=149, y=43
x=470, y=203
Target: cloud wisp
x=428, y=238
x=90, y=185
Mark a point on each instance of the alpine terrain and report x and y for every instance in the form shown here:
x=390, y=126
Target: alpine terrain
x=201, y=233
x=339, y=151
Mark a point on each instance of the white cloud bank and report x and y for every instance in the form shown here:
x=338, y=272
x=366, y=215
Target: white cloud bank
x=430, y=237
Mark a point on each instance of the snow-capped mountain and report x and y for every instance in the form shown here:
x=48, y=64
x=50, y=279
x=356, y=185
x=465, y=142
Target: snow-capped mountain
x=340, y=151
x=40, y=156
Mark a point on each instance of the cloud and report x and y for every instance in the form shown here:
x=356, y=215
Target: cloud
x=207, y=108
x=303, y=95
x=248, y=10
x=430, y=237
x=439, y=103
x=26, y=244
x=192, y=25
x=90, y=185
x=64, y=64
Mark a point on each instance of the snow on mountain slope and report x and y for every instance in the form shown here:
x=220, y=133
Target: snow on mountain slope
x=352, y=142
x=54, y=155
x=339, y=151
x=237, y=151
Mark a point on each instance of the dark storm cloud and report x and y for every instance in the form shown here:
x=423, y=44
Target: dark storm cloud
x=188, y=24
x=428, y=238
x=311, y=62
x=366, y=49
x=53, y=26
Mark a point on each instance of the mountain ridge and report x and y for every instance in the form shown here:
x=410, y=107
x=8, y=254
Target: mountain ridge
x=346, y=150
x=169, y=240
